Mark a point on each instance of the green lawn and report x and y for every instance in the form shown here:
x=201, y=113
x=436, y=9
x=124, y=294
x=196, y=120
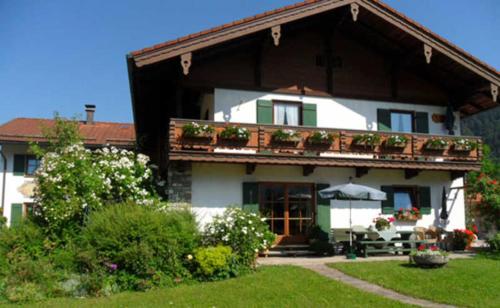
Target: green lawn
x=466, y=282
x=271, y=286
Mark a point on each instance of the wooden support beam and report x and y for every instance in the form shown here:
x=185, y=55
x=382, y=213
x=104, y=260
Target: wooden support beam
x=250, y=168
x=394, y=79
x=354, y=11
x=308, y=169
x=276, y=34
x=360, y=171
x=328, y=60
x=257, y=73
x=456, y=174
x=186, y=62
x=411, y=173
x=494, y=92
x=427, y=53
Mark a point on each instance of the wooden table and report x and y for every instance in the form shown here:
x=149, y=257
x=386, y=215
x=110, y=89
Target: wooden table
x=365, y=246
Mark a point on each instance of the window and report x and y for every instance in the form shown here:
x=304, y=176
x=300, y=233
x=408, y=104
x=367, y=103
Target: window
x=29, y=209
x=286, y=113
x=25, y=164
x=402, y=121
x=405, y=198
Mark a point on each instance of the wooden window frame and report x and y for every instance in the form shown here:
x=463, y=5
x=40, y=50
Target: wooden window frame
x=413, y=118
x=413, y=190
x=301, y=109
x=26, y=159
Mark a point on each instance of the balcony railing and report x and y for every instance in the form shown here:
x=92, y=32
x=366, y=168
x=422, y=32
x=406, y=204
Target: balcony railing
x=345, y=143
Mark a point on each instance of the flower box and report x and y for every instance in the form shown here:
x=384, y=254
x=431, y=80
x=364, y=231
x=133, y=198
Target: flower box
x=366, y=140
x=436, y=144
x=412, y=214
x=195, y=130
x=286, y=136
x=235, y=133
x=464, y=145
x=396, y=142
x=429, y=256
x=320, y=138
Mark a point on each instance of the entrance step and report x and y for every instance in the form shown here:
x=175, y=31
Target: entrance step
x=291, y=250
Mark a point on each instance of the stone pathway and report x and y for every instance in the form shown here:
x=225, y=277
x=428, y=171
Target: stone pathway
x=334, y=274
x=318, y=265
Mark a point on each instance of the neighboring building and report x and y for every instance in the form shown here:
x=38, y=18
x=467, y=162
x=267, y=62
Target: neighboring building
x=345, y=67
x=18, y=166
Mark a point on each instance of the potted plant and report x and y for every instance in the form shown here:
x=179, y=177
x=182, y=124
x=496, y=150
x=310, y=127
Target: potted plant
x=396, y=141
x=320, y=137
x=367, y=140
x=462, y=239
x=382, y=223
x=437, y=144
x=235, y=133
x=412, y=214
x=286, y=136
x=429, y=257
x=464, y=145
x=195, y=130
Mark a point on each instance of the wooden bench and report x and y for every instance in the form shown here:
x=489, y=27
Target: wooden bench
x=368, y=247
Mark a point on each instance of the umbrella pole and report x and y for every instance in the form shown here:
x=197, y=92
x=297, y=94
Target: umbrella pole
x=350, y=224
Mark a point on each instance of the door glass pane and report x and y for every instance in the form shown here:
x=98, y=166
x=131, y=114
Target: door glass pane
x=272, y=207
x=300, y=209
x=401, y=122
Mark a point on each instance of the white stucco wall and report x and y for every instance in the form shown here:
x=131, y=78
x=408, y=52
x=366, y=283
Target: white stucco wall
x=240, y=106
x=215, y=186
x=13, y=182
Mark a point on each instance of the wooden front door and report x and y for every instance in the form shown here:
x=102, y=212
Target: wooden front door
x=288, y=209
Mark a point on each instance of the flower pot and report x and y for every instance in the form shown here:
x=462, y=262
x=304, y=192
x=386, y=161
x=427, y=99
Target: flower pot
x=461, y=148
x=430, y=260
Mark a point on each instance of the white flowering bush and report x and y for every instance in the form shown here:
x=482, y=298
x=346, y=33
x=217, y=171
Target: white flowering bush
x=72, y=181
x=246, y=233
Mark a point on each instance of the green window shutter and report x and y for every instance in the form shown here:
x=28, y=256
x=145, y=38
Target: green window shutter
x=388, y=204
x=422, y=122
x=264, y=111
x=19, y=164
x=16, y=214
x=425, y=200
x=384, y=120
x=323, y=212
x=309, y=117
x=251, y=197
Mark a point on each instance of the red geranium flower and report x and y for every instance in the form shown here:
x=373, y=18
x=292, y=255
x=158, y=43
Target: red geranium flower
x=434, y=248
x=421, y=247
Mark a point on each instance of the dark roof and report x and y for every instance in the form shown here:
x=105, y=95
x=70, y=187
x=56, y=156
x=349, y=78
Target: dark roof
x=96, y=134
x=201, y=35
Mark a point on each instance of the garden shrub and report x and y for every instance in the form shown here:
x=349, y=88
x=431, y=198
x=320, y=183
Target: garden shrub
x=246, y=233
x=139, y=246
x=213, y=262
x=495, y=242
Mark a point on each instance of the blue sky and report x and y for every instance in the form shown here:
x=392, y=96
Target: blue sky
x=57, y=55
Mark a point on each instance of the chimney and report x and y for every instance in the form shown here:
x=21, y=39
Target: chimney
x=90, y=110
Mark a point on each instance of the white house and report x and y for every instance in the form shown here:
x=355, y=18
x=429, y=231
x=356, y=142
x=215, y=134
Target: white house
x=320, y=91
x=18, y=165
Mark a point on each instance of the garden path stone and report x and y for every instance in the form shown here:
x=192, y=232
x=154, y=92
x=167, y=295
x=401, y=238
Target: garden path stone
x=329, y=272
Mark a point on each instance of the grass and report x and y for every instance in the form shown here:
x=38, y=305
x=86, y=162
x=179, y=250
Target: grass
x=271, y=286
x=463, y=282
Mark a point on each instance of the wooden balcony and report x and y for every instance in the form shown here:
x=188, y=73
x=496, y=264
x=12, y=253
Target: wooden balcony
x=343, y=151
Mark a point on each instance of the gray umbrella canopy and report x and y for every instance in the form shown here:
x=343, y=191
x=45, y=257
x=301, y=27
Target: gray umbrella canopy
x=352, y=192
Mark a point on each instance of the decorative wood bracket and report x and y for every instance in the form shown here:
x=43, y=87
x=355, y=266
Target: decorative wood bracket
x=494, y=92
x=456, y=174
x=354, y=11
x=276, y=34
x=250, y=168
x=186, y=62
x=427, y=53
x=306, y=170
x=360, y=171
x=411, y=173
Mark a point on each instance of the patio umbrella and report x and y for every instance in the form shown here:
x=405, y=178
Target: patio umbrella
x=351, y=192
x=444, y=211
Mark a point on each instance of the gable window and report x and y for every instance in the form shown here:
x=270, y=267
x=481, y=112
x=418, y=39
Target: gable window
x=286, y=113
x=402, y=121
x=25, y=164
